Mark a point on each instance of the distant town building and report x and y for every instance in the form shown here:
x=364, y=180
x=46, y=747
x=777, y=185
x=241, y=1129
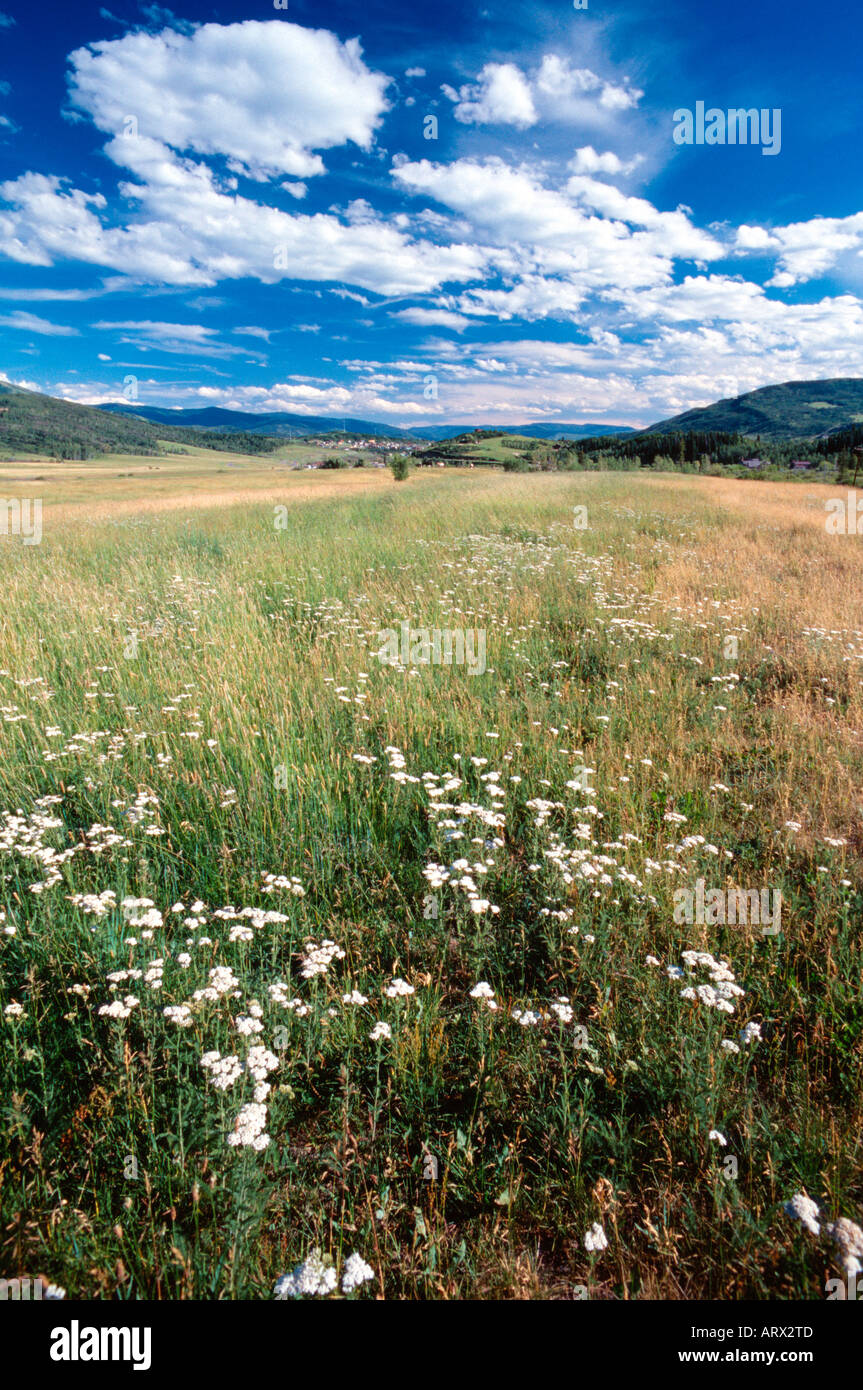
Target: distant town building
x=803, y=463
x=754, y=463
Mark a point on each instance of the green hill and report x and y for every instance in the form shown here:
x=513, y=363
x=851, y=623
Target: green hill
x=792, y=410
x=33, y=423
x=30, y=422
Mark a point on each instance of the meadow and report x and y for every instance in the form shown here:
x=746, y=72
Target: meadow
x=322, y=976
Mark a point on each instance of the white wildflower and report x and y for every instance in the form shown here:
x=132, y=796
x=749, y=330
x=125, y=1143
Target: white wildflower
x=802, y=1208
x=595, y=1239
x=355, y=1273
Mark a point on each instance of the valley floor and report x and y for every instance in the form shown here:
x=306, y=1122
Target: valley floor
x=322, y=974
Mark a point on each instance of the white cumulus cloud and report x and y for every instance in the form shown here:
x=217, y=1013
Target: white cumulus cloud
x=501, y=96
x=265, y=95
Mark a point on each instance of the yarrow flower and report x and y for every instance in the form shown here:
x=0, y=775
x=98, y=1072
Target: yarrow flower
x=399, y=989
x=355, y=1273
x=482, y=991
x=848, y=1238
x=312, y=1276
x=249, y=1128
x=180, y=1014
x=802, y=1208
x=722, y=989
x=120, y=1008
x=484, y=994
x=246, y=1024
x=260, y=1061
x=224, y=1071
x=526, y=1018
x=317, y=959
x=381, y=1030
x=272, y=882
x=563, y=1009
x=222, y=981
x=595, y=1239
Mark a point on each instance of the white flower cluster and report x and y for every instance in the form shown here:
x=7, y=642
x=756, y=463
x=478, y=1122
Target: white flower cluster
x=526, y=1018
x=249, y=1023
x=318, y=958
x=140, y=808
x=224, y=1071
x=802, y=1208
x=848, y=1239
x=142, y=912
x=246, y=921
x=178, y=1014
x=250, y=1128
x=398, y=765
x=845, y=1234
x=484, y=992
x=153, y=973
x=595, y=1239
x=260, y=1061
x=722, y=989
x=279, y=995
x=222, y=981
x=316, y=1276
x=355, y=1273
x=94, y=904
x=461, y=873
x=116, y=977
x=355, y=998
x=273, y=882
x=399, y=989
x=119, y=1008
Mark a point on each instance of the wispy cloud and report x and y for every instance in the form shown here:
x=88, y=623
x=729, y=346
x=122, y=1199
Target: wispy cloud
x=30, y=323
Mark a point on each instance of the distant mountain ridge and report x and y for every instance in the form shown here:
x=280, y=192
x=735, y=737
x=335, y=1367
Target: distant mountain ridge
x=30, y=420
x=791, y=410
x=282, y=423
x=291, y=425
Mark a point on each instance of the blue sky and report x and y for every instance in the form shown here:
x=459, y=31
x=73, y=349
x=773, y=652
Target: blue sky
x=427, y=213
